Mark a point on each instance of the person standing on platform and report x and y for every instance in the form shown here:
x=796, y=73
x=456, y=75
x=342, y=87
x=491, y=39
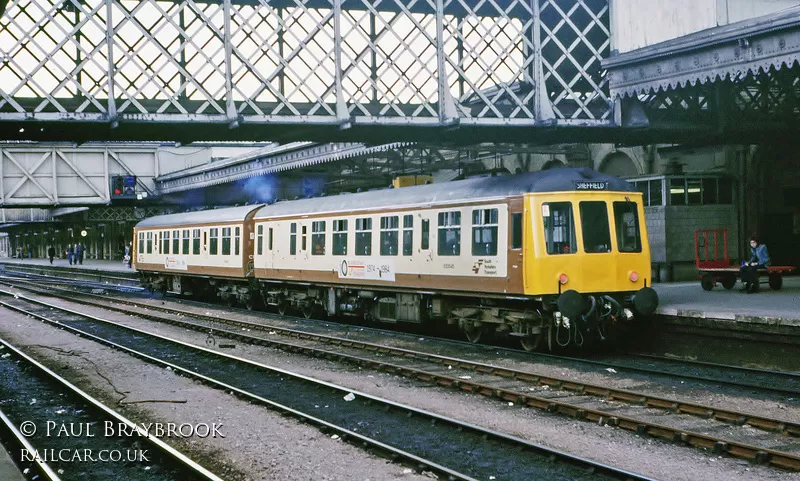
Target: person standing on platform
x=70, y=253
x=127, y=259
x=51, y=252
x=759, y=259
x=79, y=253
x=30, y=252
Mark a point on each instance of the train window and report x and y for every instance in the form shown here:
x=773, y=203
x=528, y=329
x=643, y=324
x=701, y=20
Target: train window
x=185, y=242
x=149, y=242
x=176, y=242
x=484, y=232
x=516, y=231
x=449, y=233
x=293, y=239
x=626, y=218
x=426, y=234
x=226, y=241
x=165, y=242
x=303, y=244
x=559, y=228
x=318, y=238
x=340, y=237
x=594, y=224
x=141, y=242
x=196, y=242
x=389, y=235
x=260, y=240
x=364, y=236
x=408, y=235
x=269, y=246
x=213, y=235
x=237, y=234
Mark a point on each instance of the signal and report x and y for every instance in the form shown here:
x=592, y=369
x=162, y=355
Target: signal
x=123, y=187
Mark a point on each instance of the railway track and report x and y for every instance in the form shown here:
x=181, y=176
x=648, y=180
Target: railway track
x=449, y=447
x=590, y=402
x=56, y=431
x=778, y=382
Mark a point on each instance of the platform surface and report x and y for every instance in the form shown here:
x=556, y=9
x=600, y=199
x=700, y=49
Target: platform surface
x=9, y=470
x=88, y=264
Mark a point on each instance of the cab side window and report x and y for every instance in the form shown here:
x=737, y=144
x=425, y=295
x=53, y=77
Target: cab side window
x=559, y=228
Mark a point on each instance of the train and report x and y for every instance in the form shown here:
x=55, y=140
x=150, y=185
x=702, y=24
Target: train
x=555, y=258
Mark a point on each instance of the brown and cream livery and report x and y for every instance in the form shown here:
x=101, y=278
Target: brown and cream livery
x=552, y=255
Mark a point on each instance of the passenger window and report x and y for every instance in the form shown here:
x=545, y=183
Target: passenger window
x=449, y=233
x=559, y=228
x=594, y=224
x=196, y=242
x=149, y=242
x=260, y=240
x=293, y=239
x=270, y=239
x=214, y=241
x=165, y=242
x=626, y=219
x=141, y=242
x=318, y=238
x=426, y=234
x=389, y=235
x=364, y=236
x=516, y=231
x=176, y=242
x=185, y=242
x=408, y=235
x=484, y=232
x=304, y=230
x=226, y=241
x=340, y=237
x=236, y=236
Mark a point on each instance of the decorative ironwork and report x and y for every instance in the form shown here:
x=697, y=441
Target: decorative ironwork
x=317, y=62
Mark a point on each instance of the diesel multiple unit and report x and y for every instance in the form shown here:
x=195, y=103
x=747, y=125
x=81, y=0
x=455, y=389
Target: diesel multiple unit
x=559, y=255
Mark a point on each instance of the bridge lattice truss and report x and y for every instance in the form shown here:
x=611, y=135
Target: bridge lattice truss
x=323, y=62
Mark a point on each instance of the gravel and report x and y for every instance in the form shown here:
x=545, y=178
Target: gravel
x=262, y=445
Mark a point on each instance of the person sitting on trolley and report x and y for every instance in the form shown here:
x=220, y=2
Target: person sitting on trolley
x=759, y=259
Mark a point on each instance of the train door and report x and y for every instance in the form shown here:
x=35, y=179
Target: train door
x=304, y=240
x=425, y=239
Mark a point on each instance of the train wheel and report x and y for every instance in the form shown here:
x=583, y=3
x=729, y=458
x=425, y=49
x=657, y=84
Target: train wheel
x=308, y=311
x=775, y=282
x=282, y=308
x=728, y=282
x=707, y=282
x=530, y=343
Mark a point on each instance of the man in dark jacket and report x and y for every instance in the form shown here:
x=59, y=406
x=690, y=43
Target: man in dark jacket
x=51, y=252
x=759, y=259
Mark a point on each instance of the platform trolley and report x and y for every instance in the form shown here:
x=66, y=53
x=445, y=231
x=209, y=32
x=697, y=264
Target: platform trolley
x=715, y=267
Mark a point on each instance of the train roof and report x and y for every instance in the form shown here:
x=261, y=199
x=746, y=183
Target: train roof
x=228, y=214
x=554, y=180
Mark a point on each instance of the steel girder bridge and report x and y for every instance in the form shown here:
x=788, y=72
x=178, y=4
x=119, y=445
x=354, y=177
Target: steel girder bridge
x=364, y=70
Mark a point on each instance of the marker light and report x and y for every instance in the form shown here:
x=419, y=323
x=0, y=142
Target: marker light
x=563, y=278
x=634, y=276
